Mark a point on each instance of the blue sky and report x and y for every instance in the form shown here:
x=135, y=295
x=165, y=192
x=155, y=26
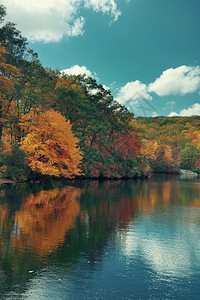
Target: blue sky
x=146, y=51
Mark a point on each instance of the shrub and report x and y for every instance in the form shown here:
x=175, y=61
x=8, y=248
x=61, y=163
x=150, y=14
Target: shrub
x=13, y=164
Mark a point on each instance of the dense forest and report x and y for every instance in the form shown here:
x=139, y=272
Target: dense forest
x=52, y=124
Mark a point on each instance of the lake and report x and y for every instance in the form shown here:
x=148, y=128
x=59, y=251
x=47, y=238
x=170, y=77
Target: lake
x=129, y=239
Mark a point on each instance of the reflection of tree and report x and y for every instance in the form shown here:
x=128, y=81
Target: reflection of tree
x=196, y=201
x=120, y=201
x=3, y=213
x=154, y=195
x=44, y=219
x=106, y=209
x=3, y=227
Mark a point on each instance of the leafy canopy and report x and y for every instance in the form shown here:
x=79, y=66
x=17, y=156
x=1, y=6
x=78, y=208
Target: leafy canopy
x=51, y=147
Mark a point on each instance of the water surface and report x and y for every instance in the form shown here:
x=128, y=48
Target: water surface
x=101, y=240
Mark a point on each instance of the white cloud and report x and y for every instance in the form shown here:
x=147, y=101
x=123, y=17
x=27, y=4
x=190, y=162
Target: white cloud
x=171, y=103
x=77, y=28
x=105, y=6
x=106, y=87
x=133, y=91
x=179, y=81
x=50, y=20
x=193, y=110
x=77, y=70
x=42, y=20
x=155, y=114
x=173, y=114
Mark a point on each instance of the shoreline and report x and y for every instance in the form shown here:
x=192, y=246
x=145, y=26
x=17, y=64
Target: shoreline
x=181, y=173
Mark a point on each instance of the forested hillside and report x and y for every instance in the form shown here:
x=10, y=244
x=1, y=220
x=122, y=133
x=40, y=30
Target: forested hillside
x=67, y=126
x=170, y=143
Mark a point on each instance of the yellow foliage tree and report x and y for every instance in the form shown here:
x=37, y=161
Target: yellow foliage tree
x=168, y=156
x=50, y=145
x=159, y=153
x=149, y=149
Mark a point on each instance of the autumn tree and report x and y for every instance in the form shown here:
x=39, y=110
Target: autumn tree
x=51, y=147
x=109, y=145
x=170, y=143
x=8, y=75
x=189, y=157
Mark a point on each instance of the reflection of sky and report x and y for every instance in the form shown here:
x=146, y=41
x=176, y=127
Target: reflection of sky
x=156, y=257
x=167, y=241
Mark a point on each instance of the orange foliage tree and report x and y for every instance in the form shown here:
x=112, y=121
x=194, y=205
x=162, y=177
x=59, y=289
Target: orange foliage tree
x=51, y=147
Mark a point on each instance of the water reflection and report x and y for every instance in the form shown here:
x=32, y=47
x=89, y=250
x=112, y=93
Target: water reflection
x=94, y=235
x=44, y=219
x=166, y=235
x=3, y=213
x=171, y=250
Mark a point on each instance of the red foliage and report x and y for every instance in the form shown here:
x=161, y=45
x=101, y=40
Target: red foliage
x=198, y=163
x=112, y=172
x=130, y=145
x=95, y=169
